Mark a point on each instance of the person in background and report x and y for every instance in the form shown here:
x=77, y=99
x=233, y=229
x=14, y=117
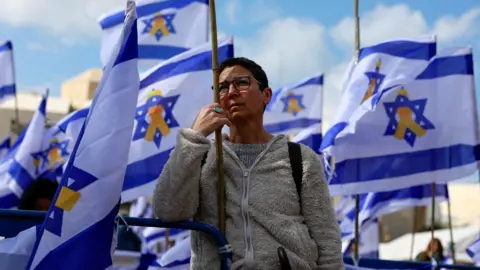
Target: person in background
x=434, y=251
x=276, y=193
x=38, y=195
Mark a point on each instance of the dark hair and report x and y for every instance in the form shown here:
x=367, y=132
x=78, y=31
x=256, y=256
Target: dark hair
x=437, y=243
x=41, y=188
x=257, y=72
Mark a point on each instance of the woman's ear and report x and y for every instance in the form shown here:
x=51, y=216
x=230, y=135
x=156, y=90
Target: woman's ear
x=267, y=94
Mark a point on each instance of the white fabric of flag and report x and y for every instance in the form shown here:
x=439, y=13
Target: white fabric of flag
x=165, y=28
x=81, y=221
x=296, y=108
x=413, y=133
x=5, y=146
x=7, y=71
x=172, y=93
x=27, y=162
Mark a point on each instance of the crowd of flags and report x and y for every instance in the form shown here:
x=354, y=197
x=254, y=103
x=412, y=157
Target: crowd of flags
x=407, y=118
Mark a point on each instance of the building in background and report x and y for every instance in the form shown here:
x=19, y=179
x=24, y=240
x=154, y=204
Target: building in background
x=79, y=90
x=28, y=103
x=76, y=93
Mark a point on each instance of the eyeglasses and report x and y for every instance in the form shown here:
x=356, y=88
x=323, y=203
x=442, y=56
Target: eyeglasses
x=239, y=83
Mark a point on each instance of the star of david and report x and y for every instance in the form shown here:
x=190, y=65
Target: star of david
x=375, y=79
x=143, y=121
x=293, y=103
x=159, y=25
x=43, y=156
x=406, y=118
x=78, y=180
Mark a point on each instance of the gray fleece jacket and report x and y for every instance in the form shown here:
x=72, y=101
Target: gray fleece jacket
x=262, y=206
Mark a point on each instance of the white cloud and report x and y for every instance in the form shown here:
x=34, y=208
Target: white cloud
x=292, y=48
x=391, y=22
x=288, y=49
x=256, y=11
x=380, y=24
x=72, y=18
x=332, y=93
x=231, y=9
x=36, y=47
x=463, y=27
x=400, y=21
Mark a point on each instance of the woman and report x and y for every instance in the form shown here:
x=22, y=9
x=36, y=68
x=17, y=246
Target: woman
x=434, y=250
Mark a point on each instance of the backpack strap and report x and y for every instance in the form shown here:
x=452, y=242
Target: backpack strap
x=296, y=162
x=204, y=159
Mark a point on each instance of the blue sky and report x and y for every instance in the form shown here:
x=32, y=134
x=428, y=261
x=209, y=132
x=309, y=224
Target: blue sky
x=49, y=52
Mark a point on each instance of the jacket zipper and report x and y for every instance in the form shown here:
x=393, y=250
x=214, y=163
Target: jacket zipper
x=249, y=255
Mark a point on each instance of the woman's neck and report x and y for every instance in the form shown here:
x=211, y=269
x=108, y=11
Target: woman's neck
x=249, y=134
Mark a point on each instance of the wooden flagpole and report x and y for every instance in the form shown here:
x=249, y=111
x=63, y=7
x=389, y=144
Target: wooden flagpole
x=432, y=217
x=357, y=197
x=218, y=133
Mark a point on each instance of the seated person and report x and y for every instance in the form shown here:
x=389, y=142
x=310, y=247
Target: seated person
x=38, y=195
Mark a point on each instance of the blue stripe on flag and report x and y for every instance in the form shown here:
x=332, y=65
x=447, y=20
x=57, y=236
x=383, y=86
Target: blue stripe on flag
x=159, y=51
x=6, y=46
x=14, y=148
x=417, y=192
x=331, y=134
x=447, y=66
x=318, y=80
x=6, y=143
x=43, y=106
x=9, y=201
x=396, y=165
x=7, y=90
x=145, y=171
x=313, y=141
x=404, y=48
x=98, y=234
x=129, y=48
x=144, y=10
x=77, y=115
x=200, y=62
x=297, y=123
x=19, y=174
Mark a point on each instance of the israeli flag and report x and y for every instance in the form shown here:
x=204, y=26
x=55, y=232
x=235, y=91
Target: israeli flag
x=369, y=241
x=81, y=220
x=377, y=204
x=474, y=251
x=172, y=93
x=416, y=133
x=7, y=71
x=154, y=240
x=62, y=138
x=165, y=28
x=5, y=146
x=178, y=257
x=28, y=160
x=298, y=109
x=183, y=81
x=380, y=66
x=8, y=199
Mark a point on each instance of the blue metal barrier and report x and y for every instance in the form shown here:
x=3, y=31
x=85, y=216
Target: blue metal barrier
x=14, y=221
x=387, y=264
